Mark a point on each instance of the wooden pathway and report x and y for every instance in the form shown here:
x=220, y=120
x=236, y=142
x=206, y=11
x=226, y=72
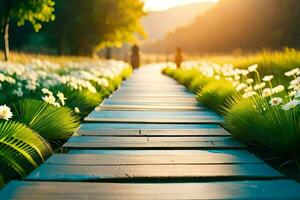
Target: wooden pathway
x=153, y=140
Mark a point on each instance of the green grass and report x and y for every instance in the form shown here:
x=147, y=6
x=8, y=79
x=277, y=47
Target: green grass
x=249, y=115
x=269, y=62
x=216, y=94
x=254, y=120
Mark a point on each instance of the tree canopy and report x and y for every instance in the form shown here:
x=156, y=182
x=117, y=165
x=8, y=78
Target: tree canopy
x=20, y=11
x=82, y=27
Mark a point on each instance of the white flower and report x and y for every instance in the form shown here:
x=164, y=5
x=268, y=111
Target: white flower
x=50, y=99
x=61, y=98
x=217, y=77
x=229, y=79
x=76, y=109
x=297, y=95
x=290, y=105
x=240, y=87
x=266, y=92
x=278, y=89
x=259, y=86
x=268, y=78
x=5, y=112
x=276, y=101
x=249, y=94
x=237, y=77
x=248, y=89
x=252, y=68
x=47, y=91
x=292, y=72
x=293, y=93
x=295, y=82
x=245, y=72
x=249, y=80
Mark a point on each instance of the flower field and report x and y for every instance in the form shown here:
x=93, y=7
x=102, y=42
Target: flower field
x=42, y=104
x=259, y=108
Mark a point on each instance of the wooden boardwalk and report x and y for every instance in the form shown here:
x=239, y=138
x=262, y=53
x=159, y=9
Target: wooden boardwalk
x=153, y=140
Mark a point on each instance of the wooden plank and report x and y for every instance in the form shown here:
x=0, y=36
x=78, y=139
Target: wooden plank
x=206, y=130
x=149, y=108
x=246, y=190
x=139, y=126
x=161, y=95
x=148, y=98
x=155, y=117
x=202, y=157
x=79, y=173
x=186, y=152
x=90, y=142
x=150, y=102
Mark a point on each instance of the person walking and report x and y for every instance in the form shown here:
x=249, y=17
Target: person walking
x=178, y=57
x=135, y=57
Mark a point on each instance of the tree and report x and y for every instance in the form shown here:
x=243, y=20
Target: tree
x=32, y=11
x=82, y=27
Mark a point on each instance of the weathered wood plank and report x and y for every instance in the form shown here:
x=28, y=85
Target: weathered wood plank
x=152, y=126
x=155, y=117
x=90, y=142
x=204, y=130
x=267, y=190
x=149, y=108
x=202, y=157
x=150, y=102
x=80, y=173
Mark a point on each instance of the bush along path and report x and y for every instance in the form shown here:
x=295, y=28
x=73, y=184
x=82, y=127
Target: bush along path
x=42, y=104
x=263, y=111
x=153, y=140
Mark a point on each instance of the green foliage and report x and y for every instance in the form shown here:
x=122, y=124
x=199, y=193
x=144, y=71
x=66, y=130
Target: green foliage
x=33, y=11
x=215, y=94
x=50, y=122
x=198, y=82
x=21, y=150
x=98, y=24
x=84, y=100
x=254, y=120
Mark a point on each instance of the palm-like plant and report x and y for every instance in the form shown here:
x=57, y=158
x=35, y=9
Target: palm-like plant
x=21, y=150
x=52, y=123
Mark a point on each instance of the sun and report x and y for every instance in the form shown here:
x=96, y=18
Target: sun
x=158, y=5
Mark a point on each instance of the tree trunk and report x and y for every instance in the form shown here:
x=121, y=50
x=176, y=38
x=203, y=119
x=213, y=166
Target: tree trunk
x=6, y=38
x=108, y=53
x=7, y=5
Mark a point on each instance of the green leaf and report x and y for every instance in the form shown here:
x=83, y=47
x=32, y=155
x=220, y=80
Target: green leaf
x=50, y=122
x=21, y=150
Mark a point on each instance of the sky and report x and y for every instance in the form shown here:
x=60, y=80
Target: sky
x=159, y=5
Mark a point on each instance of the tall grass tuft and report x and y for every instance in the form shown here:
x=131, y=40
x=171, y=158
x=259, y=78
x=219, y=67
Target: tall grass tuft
x=255, y=121
x=216, y=94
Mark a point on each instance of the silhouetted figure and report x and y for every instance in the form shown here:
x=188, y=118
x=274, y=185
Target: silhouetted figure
x=135, y=57
x=178, y=57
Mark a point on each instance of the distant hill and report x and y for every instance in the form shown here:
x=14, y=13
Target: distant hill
x=158, y=24
x=234, y=25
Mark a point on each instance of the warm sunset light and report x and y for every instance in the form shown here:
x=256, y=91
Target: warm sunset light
x=158, y=5
x=140, y=99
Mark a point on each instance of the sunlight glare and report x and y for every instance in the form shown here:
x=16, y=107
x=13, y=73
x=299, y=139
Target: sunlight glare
x=159, y=5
